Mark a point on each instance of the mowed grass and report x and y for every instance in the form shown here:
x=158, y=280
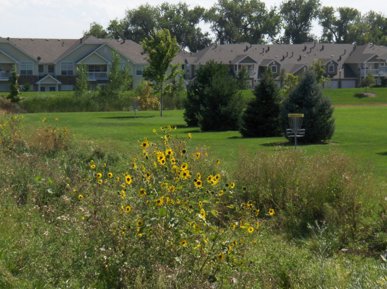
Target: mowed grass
x=361, y=130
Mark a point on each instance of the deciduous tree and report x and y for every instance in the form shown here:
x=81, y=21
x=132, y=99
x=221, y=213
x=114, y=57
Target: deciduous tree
x=338, y=25
x=183, y=23
x=161, y=49
x=297, y=16
x=243, y=21
x=81, y=82
x=96, y=30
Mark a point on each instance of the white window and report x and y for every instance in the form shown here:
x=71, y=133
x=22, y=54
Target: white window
x=274, y=68
x=26, y=68
x=51, y=68
x=67, y=68
x=331, y=68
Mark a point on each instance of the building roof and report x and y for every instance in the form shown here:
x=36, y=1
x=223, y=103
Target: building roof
x=290, y=55
x=51, y=50
x=42, y=50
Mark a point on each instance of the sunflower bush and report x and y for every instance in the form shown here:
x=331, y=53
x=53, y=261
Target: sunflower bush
x=173, y=211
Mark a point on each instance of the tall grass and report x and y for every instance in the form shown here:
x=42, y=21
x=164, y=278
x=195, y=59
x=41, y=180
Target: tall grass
x=314, y=192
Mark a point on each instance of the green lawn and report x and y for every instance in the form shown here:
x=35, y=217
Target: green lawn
x=360, y=133
x=348, y=96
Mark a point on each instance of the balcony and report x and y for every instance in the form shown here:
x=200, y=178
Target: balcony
x=95, y=76
x=382, y=71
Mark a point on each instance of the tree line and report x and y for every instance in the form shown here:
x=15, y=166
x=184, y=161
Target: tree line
x=247, y=21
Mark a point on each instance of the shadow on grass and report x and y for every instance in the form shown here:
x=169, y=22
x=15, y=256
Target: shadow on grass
x=382, y=154
x=127, y=117
x=364, y=94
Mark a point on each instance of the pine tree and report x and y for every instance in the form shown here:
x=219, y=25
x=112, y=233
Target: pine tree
x=261, y=117
x=307, y=98
x=213, y=99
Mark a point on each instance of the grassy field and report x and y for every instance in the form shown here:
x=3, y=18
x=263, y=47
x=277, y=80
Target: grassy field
x=63, y=226
x=360, y=133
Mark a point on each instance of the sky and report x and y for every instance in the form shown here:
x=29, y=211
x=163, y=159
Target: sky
x=71, y=18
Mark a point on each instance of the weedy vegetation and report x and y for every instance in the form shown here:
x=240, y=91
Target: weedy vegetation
x=172, y=216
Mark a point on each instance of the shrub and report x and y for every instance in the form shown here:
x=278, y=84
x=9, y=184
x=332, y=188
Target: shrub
x=58, y=102
x=307, y=98
x=146, y=100
x=213, y=100
x=11, y=134
x=14, y=86
x=261, y=117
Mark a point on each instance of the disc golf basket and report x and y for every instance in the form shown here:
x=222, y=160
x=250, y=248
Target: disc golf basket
x=295, y=123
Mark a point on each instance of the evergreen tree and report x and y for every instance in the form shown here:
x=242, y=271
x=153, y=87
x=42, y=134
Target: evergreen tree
x=14, y=86
x=307, y=98
x=213, y=99
x=261, y=117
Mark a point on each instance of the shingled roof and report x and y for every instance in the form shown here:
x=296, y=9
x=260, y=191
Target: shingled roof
x=289, y=55
x=44, y=50
x=51, y=50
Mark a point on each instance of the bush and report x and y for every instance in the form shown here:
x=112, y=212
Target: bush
x=307, y=98
x=58, y=102
x=261, y=117
x=213, y=101
x=146, y=100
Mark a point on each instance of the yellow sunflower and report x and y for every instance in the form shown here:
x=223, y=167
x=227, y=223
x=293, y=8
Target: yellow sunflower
x=184, y=166
x=142, y=192
x=127, y=209
x=183, y=243
x=221, y=257
x=202, y=214
x=145, y=144
x=198, y=184
x=128, y=179
x=160, y=202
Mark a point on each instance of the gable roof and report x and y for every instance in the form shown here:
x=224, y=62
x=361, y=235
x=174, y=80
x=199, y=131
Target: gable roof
x=51, y=50
x=243, y=58
x=48, y=79
x=41, y=50
x=94, y=52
